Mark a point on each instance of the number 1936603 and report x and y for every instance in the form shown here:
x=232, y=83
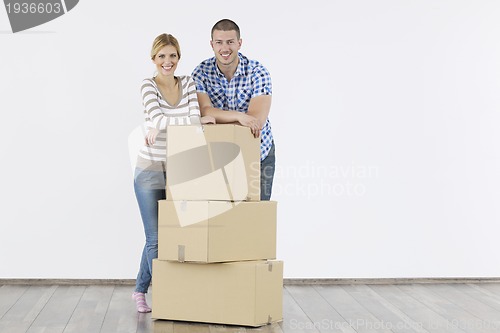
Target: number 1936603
x=33, y=8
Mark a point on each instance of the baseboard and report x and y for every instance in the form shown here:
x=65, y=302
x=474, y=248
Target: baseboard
x=388, y=281
x=286, y=281
x=73, y=282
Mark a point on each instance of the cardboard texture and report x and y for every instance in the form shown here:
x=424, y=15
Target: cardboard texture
x=213, y=162
x=241, y=293
x=216, y=231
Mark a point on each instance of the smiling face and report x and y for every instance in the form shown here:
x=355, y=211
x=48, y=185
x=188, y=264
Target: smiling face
x=166, y=60
x=226, y=45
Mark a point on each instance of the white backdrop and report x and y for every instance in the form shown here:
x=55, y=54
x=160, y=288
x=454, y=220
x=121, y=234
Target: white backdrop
x=385, y=115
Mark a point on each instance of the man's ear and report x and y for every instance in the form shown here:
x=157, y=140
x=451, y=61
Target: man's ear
x=240, y=41
x=212, y=44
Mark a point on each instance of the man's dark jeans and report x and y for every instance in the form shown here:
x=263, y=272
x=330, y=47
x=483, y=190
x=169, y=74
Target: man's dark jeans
x=267, y=167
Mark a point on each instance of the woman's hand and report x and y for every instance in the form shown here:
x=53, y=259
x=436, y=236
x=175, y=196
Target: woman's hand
x=151, y=136
x=207, y=120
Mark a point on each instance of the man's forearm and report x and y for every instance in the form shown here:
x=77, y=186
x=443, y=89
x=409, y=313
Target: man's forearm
x=259, y=108
x=221, y=116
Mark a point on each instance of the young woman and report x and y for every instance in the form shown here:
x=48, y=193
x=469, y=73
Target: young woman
x=168, y=100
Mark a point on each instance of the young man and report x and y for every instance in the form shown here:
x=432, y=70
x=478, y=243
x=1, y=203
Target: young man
x=234, y=89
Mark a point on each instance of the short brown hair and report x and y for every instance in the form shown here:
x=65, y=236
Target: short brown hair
x=163, y=40
x=226, y=25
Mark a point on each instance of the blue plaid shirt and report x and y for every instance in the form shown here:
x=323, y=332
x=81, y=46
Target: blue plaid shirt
x=250, y=79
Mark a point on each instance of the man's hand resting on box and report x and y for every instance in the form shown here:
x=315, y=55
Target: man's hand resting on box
x=251, y=122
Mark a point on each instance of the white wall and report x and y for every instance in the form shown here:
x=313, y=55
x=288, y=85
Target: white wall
x=385, y=115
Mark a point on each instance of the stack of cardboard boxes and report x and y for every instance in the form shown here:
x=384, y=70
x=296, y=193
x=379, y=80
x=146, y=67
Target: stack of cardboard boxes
x=216, y=239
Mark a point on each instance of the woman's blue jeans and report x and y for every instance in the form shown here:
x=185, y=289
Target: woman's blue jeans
x=149, y=187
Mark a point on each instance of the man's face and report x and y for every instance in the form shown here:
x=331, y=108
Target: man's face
x=225, y=45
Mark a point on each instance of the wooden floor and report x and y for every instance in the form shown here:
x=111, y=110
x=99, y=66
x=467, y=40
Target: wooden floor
x=442, y=308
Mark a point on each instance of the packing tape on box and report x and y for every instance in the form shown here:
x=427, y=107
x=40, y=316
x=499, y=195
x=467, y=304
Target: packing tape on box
x=181, y=253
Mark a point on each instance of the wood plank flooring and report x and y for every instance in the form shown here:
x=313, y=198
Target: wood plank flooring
x=354, y=308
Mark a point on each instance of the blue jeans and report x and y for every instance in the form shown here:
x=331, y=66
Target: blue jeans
x=149, y=187
x=267, y=167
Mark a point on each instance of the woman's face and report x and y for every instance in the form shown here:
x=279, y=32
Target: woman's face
x=166, y=60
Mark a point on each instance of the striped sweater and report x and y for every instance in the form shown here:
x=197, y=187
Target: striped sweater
x=159, y=114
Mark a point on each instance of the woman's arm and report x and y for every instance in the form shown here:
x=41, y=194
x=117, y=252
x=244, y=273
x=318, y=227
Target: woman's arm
x=152, y=106
x=194, y=109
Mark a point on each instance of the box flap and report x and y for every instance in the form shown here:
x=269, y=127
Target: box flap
x=186, y=138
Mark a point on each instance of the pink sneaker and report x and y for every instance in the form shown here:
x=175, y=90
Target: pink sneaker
x=140, y=302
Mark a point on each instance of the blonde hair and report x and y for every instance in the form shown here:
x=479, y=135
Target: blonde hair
x=163, y=40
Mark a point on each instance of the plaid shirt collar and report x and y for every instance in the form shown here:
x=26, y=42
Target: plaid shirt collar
x=240, y=70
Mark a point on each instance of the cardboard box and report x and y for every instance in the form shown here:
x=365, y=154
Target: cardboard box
x=247, y=293
x=216, y=231
x=213, y=162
